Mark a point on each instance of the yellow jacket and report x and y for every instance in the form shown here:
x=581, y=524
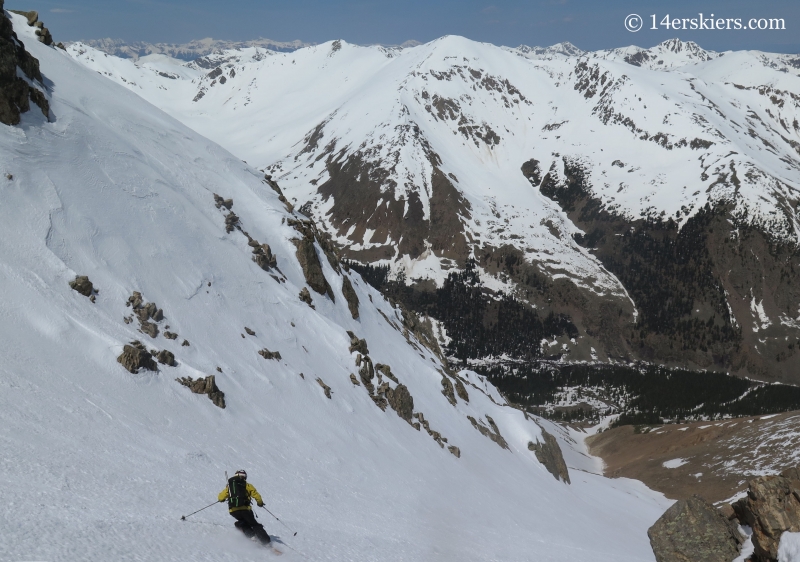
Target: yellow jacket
x=252, y=493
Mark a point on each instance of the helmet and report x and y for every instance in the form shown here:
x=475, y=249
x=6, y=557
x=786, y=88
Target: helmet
x=241, y=474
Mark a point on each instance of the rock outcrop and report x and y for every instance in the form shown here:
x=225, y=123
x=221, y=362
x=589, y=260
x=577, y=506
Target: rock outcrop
x=771, y=507
x=42, y=33
x=350, y=296
x=312, y=268
x=135, y=356
x=208, y=386
x=305, y=297
x=549, y=454
x=145, y=312
x=325, y=387
x=693, y=530
x=357, y=345
x=401, y=401
x=166, y=358
x=492, y=432
x=267, y=354
x=82, y=285
x=16, y=92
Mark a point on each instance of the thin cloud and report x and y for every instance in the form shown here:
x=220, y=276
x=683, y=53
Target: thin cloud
x=61, y=11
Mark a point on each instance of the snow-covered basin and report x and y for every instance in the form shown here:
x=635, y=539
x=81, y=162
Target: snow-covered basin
x=100, y=464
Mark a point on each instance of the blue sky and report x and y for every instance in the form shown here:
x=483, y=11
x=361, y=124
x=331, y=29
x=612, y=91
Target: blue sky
x=588, y=24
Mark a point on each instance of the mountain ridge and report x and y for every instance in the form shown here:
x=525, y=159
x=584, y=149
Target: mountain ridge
x=571, y=180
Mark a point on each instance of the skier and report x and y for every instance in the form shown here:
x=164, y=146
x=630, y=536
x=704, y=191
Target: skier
x=239, y=493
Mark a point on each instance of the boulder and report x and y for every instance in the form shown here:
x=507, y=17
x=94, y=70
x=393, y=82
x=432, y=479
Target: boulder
x=305, y=297
x=208, y=386
x=267, y=354
x=386, y=370
x=166, y=358
x=354, y=380
x=350, y=296
x=357, y=345
x=455, y=451
x=134, y=356
x=549, y=454
x=325, y=387
x=693, y=530
x=82, y=285
x=402, y=402
x=771, y=507
x=249, y=331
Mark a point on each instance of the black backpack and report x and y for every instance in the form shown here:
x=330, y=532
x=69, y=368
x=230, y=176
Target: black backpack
x=237, y=493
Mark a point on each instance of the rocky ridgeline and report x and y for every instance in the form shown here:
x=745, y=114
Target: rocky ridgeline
x=16, y=92
x=377, y=379
x=694, y=530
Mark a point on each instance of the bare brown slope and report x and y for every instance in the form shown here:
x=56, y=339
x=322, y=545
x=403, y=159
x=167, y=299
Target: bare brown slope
x=721, y=456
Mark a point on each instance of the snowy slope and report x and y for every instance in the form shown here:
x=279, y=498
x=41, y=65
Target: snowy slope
x=99, y=464
x=706, y=129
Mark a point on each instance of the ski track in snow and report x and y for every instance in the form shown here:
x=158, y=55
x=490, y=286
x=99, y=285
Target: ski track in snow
x=100, y=464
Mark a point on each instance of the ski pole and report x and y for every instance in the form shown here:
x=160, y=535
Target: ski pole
x=183, y=517
x=281, y=522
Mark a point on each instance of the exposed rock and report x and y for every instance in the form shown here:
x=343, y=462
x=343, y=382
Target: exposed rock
x=231, y=222
x=461, y=390
x=267, y=354
x=359, y=345
x=312, y=269
x=380, y=402
x=448, y=390
x=134, y=357
x=771, y=507
x=325, y=387
x=386, y=371
x=185, y=343
x=166, y=358
x=207, y=386
x=402, y=402
x=366, y=373
x=455, y=450
x=549, y=454
x=170, y=335
x=350, y=296
x=149, y=328
x=262, y=255
x=305, y=297
x=15, y=92
x=82, y=285
x=144, y=312
x=249, y=331
x=354, y=380
x=219, y=202
x=493, y=433
x=693, y=531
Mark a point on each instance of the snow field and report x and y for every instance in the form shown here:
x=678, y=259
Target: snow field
x=99, y=464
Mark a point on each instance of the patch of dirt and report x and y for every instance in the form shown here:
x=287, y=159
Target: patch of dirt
x=711, y=459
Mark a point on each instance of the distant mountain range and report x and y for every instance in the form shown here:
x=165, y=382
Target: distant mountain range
x=199, y=47
x=647, y=197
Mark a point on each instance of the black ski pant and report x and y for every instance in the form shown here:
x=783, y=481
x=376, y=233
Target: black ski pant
x=246, y=522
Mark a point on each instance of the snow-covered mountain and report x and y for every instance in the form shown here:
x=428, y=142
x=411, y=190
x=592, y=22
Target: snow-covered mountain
x=135, y=50
x=122, y=225
x=598, y=186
